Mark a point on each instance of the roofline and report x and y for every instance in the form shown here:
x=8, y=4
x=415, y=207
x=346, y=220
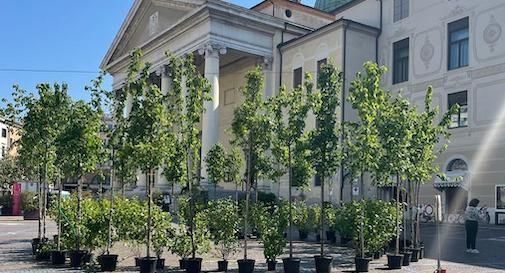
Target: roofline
x=345, y=6
x=120, y=33
x=322, y=12
x=340, y=21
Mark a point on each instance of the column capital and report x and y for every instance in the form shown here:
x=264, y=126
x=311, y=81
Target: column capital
x=265, y=62
x=212, y=49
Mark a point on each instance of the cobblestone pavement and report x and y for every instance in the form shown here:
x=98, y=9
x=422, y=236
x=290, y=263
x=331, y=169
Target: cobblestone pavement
x=15, y=257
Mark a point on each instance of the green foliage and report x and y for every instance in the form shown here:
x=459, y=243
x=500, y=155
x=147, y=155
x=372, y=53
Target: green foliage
x=251, y=125
x=288, y=110
x=314, y=220
x=29, y=201
x=10, y=171
x=301, y=216
x=372, y=220
x=198, y=234
x=324, y=139
x=271, y=222
x=223, y=223
x=215, y=161
x=233, y=162
x=162, y=230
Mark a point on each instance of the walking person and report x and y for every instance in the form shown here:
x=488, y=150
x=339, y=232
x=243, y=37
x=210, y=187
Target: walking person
x=471, y=225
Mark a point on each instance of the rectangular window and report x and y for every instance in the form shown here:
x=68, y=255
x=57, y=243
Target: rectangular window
x=320, y=64
x=458, y=44
x=459, y=119
x=317, y=180
x=401, y=61
x=4, y=132
x=297, y=77
x=401, y=9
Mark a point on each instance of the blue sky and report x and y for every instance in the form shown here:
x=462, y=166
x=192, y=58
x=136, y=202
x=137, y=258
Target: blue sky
x=61, y=35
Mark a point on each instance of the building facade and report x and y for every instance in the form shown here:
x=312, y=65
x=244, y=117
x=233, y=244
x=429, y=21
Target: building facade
x=457, y=46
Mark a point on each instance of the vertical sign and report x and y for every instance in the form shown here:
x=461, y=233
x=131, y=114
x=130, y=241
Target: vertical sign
x=16, y=198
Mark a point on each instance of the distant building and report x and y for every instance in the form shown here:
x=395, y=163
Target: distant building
x=458, y=47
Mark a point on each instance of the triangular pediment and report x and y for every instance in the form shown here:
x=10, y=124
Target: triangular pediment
x=146, y=19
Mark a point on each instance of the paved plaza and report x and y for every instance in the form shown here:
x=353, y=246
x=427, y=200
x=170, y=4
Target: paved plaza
x=15, y=255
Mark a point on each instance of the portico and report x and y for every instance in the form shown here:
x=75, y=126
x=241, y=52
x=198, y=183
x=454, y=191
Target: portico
x=226, y=41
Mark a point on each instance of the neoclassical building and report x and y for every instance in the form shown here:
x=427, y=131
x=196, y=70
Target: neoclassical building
x=457, y=46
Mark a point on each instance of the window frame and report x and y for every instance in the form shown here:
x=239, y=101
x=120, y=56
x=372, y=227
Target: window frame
x=403, y=44
x=404, y=10
x=297, y=82
x=459, y=111
x=4, y=132
x=452, y=27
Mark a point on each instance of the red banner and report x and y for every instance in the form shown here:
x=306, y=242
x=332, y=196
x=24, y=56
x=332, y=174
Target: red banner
x=16, y=198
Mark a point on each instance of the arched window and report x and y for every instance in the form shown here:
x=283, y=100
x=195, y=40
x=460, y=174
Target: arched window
x=457, y=165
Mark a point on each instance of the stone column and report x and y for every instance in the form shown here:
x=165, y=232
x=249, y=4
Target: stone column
x=266, y=64
x=166, y=82
x=210, y=120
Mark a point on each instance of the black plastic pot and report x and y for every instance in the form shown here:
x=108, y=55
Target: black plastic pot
x=160, y=264
x=43, y=256
x=107, y=262
x=77, y=258
x=415, y=254
x=147, y=265
x=182, y=263
x=222, y=266
x=245, y=266
x=421, y=252
x=291, y=265
x=35, y=245
x=57, y=257
x=303, y=235
x=406, y=258
x=137, y=261
x=330, y=236
x=344, y=240
x=194, y=265
x=323, y=263
x=362, y=264
x=377, y=255
x=271, y=265
x=395, y=261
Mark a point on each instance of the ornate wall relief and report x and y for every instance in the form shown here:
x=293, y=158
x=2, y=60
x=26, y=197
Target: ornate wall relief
x=488, y=34
x=427, y=52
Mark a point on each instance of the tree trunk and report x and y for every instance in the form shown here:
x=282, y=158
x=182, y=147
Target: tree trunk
x=58, y=243
x=39, y=193
x=411, y=210
x=149, y=220
x=397, y=245
x=322, y=216
x=111, y=208
x=248, y=185
x=79, y=213
x=418, y=228
x=290, y=185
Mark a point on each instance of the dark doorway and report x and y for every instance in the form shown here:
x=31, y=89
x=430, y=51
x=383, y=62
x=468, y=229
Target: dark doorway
x=456, y=199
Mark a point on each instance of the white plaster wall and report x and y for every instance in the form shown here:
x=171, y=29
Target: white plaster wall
x=366, y=12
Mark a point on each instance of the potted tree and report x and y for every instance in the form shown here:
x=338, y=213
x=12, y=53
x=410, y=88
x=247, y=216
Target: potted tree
x=271, y=222
x=223, y=224
x=251, y=132
x=289, y=146
x=301, y=219
x=180, y=245
x=324, y=142
x=215, y=161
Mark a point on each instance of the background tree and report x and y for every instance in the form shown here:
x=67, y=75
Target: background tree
x=189, y=108
x=148, y=125
x=324, y=139
x=289, y=111
x=43, y=118
x=215, y=161
x=10, y=171
x=251, y=132
x=233, y=162
x=81, y=149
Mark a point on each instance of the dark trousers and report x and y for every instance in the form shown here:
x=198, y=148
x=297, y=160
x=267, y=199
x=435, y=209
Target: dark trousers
x=471, y=233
